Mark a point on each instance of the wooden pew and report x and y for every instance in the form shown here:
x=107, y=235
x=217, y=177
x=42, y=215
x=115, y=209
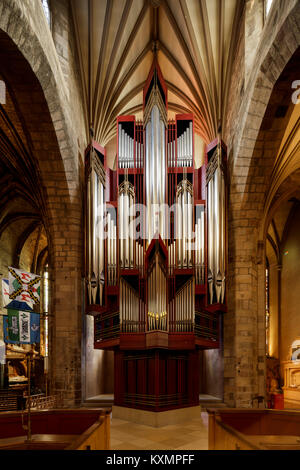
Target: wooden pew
x=64, y=429
x=253, y=429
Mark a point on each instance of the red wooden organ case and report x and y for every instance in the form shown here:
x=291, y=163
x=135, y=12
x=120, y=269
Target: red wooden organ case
x=156, y=254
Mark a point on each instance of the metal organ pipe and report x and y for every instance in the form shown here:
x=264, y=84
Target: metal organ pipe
x=127, y=148
x=179, y=231
x=95, y=231
x=157, y=295
x=155, y=168
x=184, y=228
x=114, y=254
x=129, y=308
x=185, y=307
x=199, y=248
x=191, y=143
x=109, y=248
x=184, y=224
x=148, y=172
x=126, y=229
x=91, y=236
x=190, y=227
x=101, y=241
x=217, y=274
x=123, y=149
x=111, y=251
x=96, y=234
x=185, y=147
x=211, y=248
x=216, y=228
x=163, y=178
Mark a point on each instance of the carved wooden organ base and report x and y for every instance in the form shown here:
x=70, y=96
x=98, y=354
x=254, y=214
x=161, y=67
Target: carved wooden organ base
x=156, y=380
x=156, y=287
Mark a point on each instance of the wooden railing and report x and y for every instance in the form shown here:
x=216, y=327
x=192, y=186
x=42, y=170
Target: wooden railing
x=42, y=402
x=107, y=326
x=206, y=325
x=96, y=437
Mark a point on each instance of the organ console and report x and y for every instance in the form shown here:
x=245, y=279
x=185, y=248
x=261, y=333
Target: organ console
x=156, y=253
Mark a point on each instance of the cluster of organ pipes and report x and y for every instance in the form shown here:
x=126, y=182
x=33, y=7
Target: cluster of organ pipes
x=139, y=256
x=172, y=256
x=184, y=224
x=216, y=228
x=155, y=173
x=157, y=321
x=157, y=295
x=184, y=304
x=139, y=146
x=131, y=306
x=200, y=247
x=185, y=147
x=111, y=250
x=126, y=149
x=126, y=229
x=96, y=231
x=181, y=236
x=171, y=144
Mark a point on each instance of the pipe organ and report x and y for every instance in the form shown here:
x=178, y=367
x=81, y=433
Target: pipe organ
x=156, y=253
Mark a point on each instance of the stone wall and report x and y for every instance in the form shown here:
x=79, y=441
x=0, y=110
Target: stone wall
x=54, y=121
x=244, y=325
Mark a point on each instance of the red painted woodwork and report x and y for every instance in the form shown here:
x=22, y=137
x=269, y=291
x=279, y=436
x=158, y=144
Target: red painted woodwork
x=48, y=422
x=171, y=382
x=157, y=370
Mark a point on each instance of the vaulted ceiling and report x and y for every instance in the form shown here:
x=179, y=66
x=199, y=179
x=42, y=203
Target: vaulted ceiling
x=195, y=43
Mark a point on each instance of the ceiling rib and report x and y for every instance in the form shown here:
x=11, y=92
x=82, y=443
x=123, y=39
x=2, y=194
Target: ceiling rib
x=205, y=49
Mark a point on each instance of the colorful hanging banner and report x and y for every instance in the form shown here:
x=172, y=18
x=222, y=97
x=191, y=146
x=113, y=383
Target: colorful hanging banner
x=21, y=327
x=6, y=338
x=24, y=290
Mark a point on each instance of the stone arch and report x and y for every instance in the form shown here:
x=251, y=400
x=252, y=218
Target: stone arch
x=244, y=331
x=43, y=102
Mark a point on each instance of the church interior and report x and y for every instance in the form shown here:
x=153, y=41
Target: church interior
x=150, y=224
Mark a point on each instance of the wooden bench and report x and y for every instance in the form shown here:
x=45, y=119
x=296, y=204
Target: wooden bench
x=64, y=429
x=253, y=429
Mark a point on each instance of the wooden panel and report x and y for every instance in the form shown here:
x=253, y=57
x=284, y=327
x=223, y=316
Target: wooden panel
x=131, y=341
x=253, y=429
x=49, y=422
x=182, y=341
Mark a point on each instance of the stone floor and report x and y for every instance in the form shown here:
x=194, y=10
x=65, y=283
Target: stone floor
x=192, y=435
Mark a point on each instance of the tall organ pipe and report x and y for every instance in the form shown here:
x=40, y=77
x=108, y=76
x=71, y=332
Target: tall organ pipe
x=155, y=169
x=101, y=242
x=216, y=229
x=211, y=248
